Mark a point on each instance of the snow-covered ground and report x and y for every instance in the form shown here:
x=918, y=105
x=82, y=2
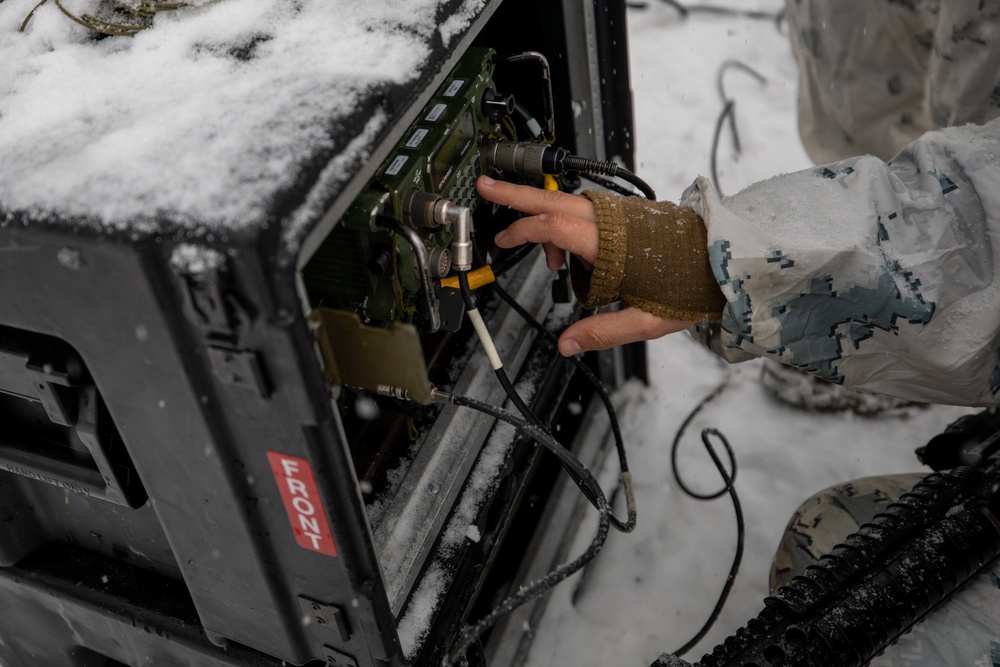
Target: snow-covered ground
x=650, y=591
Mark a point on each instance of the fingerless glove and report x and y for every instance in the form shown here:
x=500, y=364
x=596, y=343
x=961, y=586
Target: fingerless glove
x=651, y=255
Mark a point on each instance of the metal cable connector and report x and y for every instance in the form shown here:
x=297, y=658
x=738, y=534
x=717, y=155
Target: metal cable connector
x=461, y=244
x=392, y=392
x=537, y=160
x=515, y=157
x=438, y=396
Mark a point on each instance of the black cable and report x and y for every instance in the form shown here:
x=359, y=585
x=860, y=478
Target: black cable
x=463, y=284
x=515, y=398
x=583, y=478
x=628, y=525
x=586, y=482
x=680, y=434
x=729, y=478
x=728, y=111
x=743, y=67
x=509, y=260
x=580, y=366
x=740, y=536
x=643, y=186
x=536, y=160
x=576, y=469
x=578, y=472
x=607, y=168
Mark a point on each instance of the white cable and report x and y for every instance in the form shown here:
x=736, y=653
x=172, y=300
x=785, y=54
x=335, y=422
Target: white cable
x=485, y=339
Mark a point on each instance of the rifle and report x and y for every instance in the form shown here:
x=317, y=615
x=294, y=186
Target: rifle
x=873, y=587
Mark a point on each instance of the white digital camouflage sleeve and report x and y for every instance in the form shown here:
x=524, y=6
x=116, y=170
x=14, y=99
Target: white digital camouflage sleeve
x=876, y=74
x=879, y=276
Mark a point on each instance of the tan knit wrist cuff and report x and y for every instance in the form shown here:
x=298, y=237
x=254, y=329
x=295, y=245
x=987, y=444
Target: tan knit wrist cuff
x=651, y=255
x=612, y=248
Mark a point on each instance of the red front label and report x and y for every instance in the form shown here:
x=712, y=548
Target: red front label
x=302, y=502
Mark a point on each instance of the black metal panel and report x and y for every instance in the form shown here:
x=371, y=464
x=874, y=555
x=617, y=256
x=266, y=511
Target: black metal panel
x=99, y=612
x=616, y=88
x=199, y=441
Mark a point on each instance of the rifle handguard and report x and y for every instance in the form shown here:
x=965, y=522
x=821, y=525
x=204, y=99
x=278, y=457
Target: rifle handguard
x=873, y=587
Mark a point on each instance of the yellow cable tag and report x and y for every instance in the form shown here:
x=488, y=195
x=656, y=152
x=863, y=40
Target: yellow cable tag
x=478, y=278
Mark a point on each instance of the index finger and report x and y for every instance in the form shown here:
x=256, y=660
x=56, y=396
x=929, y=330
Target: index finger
x=580, y=237
x=535, y=201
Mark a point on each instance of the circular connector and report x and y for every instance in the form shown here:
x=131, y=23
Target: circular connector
x=515, y=158
x=419, y=209
x=380, y=261
x=439, y=261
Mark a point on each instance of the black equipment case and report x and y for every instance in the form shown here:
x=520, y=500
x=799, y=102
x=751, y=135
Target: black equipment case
x=180, y=481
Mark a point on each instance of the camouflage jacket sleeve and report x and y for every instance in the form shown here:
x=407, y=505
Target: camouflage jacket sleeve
x=876, y=275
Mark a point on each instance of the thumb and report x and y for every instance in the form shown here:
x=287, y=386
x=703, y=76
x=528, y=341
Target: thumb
x=606, y=330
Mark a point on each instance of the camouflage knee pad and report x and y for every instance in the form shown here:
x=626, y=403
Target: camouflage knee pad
x=823, y=521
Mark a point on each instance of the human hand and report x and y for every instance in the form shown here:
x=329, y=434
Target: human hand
x=561, y=222
x=564, y=223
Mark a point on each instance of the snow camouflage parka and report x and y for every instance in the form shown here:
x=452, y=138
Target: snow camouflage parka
x=878, y=275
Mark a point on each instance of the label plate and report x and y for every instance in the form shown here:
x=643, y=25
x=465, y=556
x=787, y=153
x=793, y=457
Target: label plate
x=297, y=486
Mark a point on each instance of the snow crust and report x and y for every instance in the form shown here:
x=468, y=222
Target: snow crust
x=205, y=117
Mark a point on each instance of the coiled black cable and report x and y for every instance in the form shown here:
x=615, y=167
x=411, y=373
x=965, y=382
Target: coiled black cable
x=729, y=479
x=740, y=536
x=675, y=446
